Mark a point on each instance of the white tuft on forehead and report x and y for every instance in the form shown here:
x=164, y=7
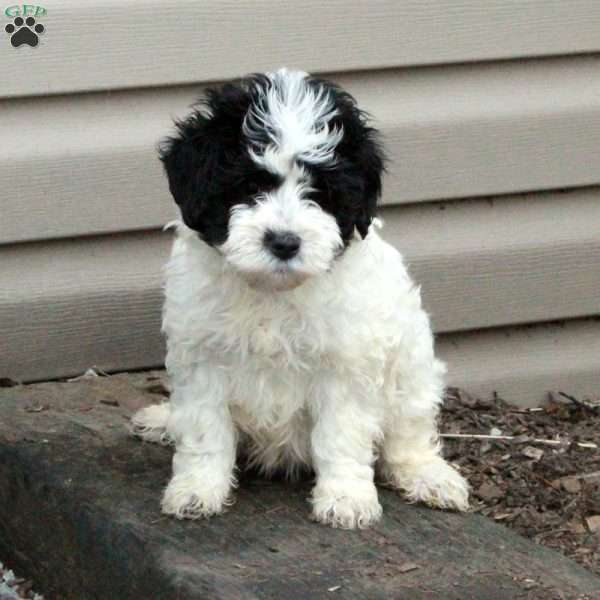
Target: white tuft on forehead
x=295, y=117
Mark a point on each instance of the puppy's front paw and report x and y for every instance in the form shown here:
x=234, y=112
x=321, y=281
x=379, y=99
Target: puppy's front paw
x=347, y=506
x=433, y=482
x=191, y=497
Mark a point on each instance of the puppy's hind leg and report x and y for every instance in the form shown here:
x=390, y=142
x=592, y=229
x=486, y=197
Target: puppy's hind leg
x=410, y=459
x=150, y=423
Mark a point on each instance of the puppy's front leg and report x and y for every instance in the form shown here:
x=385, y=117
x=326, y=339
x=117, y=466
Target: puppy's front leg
x=205, y=439
x=342, y=442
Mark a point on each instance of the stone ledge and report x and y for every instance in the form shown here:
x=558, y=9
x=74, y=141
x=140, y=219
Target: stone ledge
x=79, y=512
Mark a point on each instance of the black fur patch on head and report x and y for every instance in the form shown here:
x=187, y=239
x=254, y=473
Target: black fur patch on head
x=207, y=163
x=210, y=171
x=350, y=189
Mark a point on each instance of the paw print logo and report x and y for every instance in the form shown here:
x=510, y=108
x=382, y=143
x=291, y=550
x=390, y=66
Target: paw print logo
x=24, y=32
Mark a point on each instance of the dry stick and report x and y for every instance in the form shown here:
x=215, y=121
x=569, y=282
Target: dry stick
x=474, y=436
x=592, y=475
x=581, y=403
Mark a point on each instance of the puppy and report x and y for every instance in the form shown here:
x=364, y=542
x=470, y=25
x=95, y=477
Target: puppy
x=292, y=328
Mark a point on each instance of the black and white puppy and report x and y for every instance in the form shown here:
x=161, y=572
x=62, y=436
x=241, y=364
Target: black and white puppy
x=292, y=327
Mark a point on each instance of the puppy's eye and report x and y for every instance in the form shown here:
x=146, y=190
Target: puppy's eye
x=252, y=188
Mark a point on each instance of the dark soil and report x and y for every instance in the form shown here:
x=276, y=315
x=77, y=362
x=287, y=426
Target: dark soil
x=550, y=494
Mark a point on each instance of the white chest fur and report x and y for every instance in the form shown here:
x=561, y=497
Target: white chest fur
x=274, y=346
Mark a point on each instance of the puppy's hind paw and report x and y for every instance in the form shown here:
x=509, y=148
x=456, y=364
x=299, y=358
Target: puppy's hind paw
x=188, y=497
x=150, y=423
x=433, y=482
x=346, y=508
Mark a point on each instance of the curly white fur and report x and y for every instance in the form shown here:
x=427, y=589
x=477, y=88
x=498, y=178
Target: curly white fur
x=335, y=374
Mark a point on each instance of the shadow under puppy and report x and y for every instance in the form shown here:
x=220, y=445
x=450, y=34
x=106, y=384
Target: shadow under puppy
x=291, y=326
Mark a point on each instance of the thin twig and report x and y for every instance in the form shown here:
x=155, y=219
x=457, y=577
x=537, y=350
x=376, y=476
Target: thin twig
x=573, y=399
x=593, y=475
x=508, y=438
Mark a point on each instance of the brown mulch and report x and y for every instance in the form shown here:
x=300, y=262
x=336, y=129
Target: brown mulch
x=550, y=494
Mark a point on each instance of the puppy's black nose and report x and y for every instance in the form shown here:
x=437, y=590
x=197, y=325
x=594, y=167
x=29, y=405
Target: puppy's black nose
x=283, y=245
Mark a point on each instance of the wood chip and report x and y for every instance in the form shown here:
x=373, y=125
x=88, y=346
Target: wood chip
x=502, y=516
x=593, y=523
x=520, y=439
x=593, y=477
x=575, y=526
x=532, y=452
x=407, y=567
x=489, y=491
x=570, y=484
x=36, y=408
x=25, y=587
x=109, y=402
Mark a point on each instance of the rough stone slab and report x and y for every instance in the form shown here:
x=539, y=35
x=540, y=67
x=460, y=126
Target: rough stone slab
x=79, y=512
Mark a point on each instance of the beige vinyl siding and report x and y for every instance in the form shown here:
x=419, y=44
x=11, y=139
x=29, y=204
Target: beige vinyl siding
x=108, y=44
x=482, y=263
x=523, y=364
x=492, y=195
x=500, y=261
x=451, y=132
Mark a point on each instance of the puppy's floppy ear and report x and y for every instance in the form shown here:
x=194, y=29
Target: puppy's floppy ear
x=370, y=159
x=361, y=147
x=189, y=158
x=206, y=142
